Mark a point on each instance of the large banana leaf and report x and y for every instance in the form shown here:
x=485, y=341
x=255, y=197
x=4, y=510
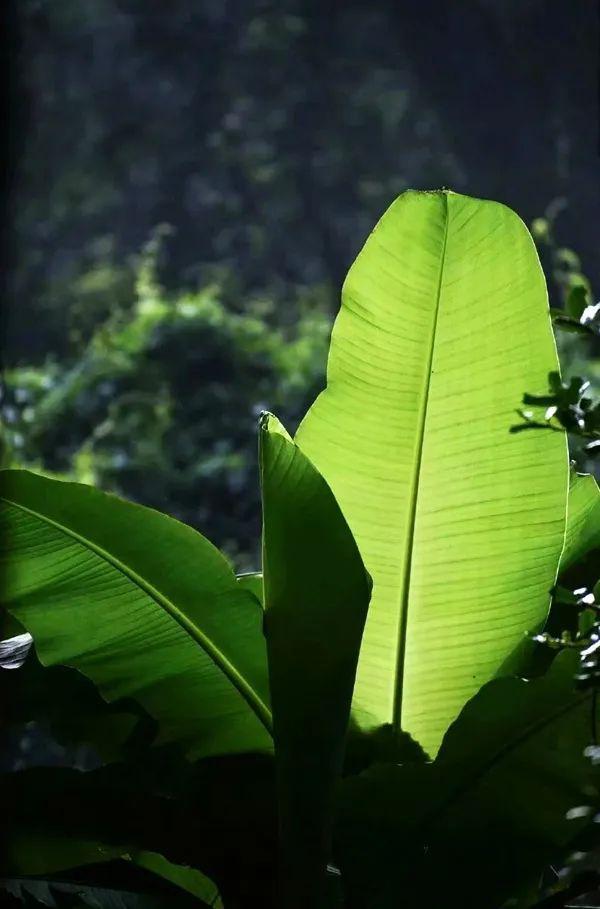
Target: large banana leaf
x=141, y=604
x=444, y=323
x=316, y=597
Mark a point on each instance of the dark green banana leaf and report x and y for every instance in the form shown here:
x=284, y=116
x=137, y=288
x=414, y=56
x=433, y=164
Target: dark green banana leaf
x=479, y=824
x=143, y=605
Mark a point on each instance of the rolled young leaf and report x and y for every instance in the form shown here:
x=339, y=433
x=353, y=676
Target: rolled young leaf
x=316, y=597
x=444, y=323
x=143, y=605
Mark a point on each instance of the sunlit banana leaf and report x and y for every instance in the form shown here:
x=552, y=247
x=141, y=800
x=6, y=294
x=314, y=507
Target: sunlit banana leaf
x=141, y=604
x=316, y=597
x=444, y=323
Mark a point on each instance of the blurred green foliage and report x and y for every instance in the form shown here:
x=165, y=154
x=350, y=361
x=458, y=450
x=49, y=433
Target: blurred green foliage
x=578, y=351
x=161, y=404
x=564, y=271
x=271, y=134
x=242, y=125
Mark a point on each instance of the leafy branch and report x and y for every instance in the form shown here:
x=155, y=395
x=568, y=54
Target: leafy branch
x=567, y=407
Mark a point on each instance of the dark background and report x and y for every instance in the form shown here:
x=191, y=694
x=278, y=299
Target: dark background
x=190, y=181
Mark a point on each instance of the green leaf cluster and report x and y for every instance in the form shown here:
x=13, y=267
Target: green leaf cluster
x=402, y=570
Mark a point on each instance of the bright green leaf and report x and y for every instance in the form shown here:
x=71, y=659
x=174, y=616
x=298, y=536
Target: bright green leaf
x=583, y=519
x=141, y=604
x=316, y=597
x=444, y=324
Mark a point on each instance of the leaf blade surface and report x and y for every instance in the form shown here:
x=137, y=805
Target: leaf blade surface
x=444, y=322
x=143, y=605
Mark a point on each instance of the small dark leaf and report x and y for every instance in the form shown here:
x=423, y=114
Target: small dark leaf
x=540, y=400
x=530, y=424
x=570, y=325
x=576, y=302
x=380, y=745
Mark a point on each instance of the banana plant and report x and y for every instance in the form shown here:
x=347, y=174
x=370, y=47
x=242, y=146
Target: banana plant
x=410, y=544
x=148, y=609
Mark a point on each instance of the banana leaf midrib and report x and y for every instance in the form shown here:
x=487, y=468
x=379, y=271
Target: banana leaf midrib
x=414, y=493
x=251, y=697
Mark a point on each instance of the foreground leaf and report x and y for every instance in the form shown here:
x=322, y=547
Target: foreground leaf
x=444, y=322
x=479, y=824
x=316, y=597
x=141, y=604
